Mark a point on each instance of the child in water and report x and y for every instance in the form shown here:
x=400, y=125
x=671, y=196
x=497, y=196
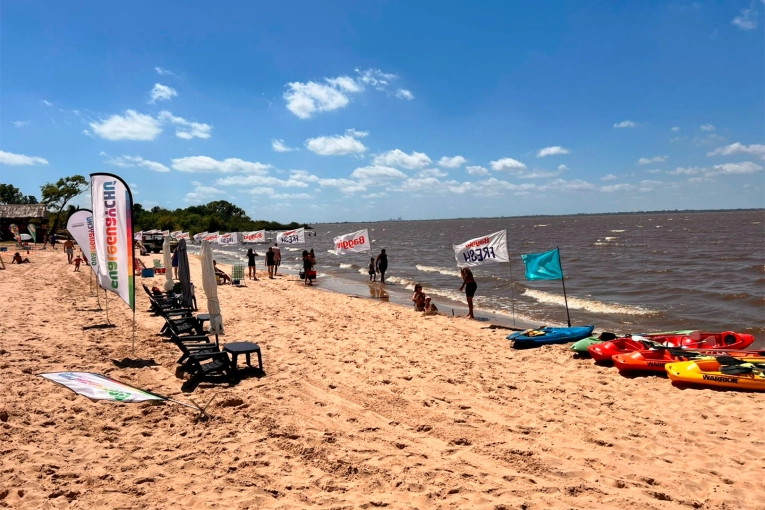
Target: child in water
x=372, y=270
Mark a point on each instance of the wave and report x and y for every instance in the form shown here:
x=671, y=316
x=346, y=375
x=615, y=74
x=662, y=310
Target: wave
x=586, y=304
x=347, y=266
x=404, y=282
x=535, y=226
x=442, y=270
x=611, y=238
x=617, y=230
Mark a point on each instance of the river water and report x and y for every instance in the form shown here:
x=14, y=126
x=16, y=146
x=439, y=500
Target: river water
x=623, y=272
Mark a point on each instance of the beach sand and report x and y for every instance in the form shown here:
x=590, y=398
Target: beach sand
x=363, y=404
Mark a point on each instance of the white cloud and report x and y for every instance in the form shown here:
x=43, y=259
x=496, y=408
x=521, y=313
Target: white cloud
x=477, y=170
x=302, y=175
x=507, y=164
x=263, y=180
x=641, y=187
x=454, y=162
x=376, y=175
x=270, y=192
x=685, y=170
x=164, y=72
x=747, y=167
x=279, y=146
x=11, y=159
x=562, y=168
x=376, y=78
x=397, y=157
x=46, y=102
x=707, y=127
x=345, y=83
x=337, y=145
x=404, y=94
x=131, y=126
x=538, y=174
x=747, y=20
x=162, y=93
x=656, y=159
x=375, y=195
x=564, y=185
x=675, y=129
x=202, y=164
x=133, y=161
x=609, y=177
x=739, y=148
x=356, y=134
x=202, y=194
x=611, y=188
x=22, y=123
x=654, y=171
x=625, y=124
x=188, y=130
x=431, y=172
x=346, y=186
x=552, y=151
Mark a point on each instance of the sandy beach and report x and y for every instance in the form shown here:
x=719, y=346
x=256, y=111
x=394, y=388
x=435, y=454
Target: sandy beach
x=364, y=404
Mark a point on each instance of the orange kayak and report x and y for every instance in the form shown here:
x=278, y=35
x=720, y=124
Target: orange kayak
x=655, y=360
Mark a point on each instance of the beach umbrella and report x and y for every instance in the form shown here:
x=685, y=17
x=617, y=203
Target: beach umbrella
x=184, y=275
x=210, y=286
x=168, y=264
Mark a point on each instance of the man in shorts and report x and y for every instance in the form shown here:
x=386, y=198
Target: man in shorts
x=277, y=259
x=69, y=250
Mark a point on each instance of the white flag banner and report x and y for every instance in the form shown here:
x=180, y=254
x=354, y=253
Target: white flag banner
x=174, y=235
x=113, y=232
x=259, y=236
x=99, y=387
x=230, y=238
x=138, y=236
x=481, y=250
x=291, y=237
x=182, y=235
x=353, y=242
x=211, y=237
x=166, y=233
x=198, y=238
x=80, y=225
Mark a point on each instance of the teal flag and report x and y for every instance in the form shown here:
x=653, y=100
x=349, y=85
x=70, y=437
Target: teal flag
x=543, y=266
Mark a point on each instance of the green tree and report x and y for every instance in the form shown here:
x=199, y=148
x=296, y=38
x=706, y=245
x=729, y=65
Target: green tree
x=10, y=194
x=56, y=196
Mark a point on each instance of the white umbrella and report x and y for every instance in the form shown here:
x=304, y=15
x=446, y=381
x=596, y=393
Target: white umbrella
x=168, y=263
x=210, y=286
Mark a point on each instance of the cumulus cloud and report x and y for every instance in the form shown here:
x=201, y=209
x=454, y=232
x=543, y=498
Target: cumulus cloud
x=552, y=151
x=356, y=133
x=46, y=102
x=136, y=161
x=345, y=186
x=131, y=126
x=746, y=20
x=261, y=180
x=404, y=94
x=562, y=168
x=376, y=175
x=162, y=93
x=453, y=162
x=376, y=78
x=739, y=148
x=477, y=170
x=11, y=159
x=431, y=172
x=609, y=177
x=186, y=130
x=747, y=167
x=625, y=124
x=707, y=127
x=202, y=194
x=397, y=157
x=279, y=146
x=655, y=159
x=205, y=164
x=337, y=145
x=22, y=123
x=675, y=129
x=164, y=72
x=509, y=164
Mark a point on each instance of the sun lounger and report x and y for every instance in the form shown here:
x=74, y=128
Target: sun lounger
x=209, y=365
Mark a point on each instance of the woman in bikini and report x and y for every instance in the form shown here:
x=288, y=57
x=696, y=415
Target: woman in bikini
x=470, y=286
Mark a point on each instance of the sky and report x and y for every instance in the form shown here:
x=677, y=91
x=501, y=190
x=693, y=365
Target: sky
x=363, y=111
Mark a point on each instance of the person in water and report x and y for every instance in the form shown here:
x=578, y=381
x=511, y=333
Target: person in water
x=382, y=265
x=252, y=275
x=470, y=286
x=372, y=270
x=307, y=265
x=270, y=263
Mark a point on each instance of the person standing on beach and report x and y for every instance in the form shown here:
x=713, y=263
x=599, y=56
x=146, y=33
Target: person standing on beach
x=53, y=241
x=252, y=275
x=270, y=262
x=69, y=250
x=45, y=241
x=77, y=261
x=307, y=265
x=372, y=270
x=382, y=265
x=174, y=263
x=470, y=286
x=277, y=259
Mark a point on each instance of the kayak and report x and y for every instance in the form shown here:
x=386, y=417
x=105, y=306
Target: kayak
x=728, y=341
x=581, y=346
x=544, y=336
x=655, y=360
x=709, y=372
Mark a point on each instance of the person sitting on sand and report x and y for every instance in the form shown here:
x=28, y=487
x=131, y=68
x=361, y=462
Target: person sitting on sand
x=223, y=276
x=77, y=261
x=418, y=298
x=18, y=260
x=430, y=307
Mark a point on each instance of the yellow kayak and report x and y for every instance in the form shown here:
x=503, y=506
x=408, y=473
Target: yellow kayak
x=709, y=372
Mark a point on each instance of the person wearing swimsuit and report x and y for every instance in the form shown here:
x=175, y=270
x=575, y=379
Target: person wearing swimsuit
x=382, y=264
x=470, y=286
x=252, y=275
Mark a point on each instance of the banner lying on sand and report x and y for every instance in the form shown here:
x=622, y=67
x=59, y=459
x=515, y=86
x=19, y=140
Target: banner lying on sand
x=80, y=225
x=481, y=250
x=99, y=387
x=259, y=236
x=353, y=242
x=291, y=237
x=113, y=232
x=230, y=238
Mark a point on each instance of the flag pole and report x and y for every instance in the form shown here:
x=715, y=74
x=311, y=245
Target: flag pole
x=512, y=291
x=563, y=281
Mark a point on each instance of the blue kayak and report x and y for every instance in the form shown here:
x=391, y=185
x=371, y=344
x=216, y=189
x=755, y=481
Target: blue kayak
x=544, y=336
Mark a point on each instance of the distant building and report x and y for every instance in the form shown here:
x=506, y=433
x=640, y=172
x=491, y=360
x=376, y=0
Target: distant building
x=22, y=216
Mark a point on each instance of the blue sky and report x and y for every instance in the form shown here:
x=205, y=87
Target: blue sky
x=338, y=111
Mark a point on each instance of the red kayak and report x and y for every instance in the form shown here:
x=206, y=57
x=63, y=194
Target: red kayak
x=654, y=360
x=727, y=340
